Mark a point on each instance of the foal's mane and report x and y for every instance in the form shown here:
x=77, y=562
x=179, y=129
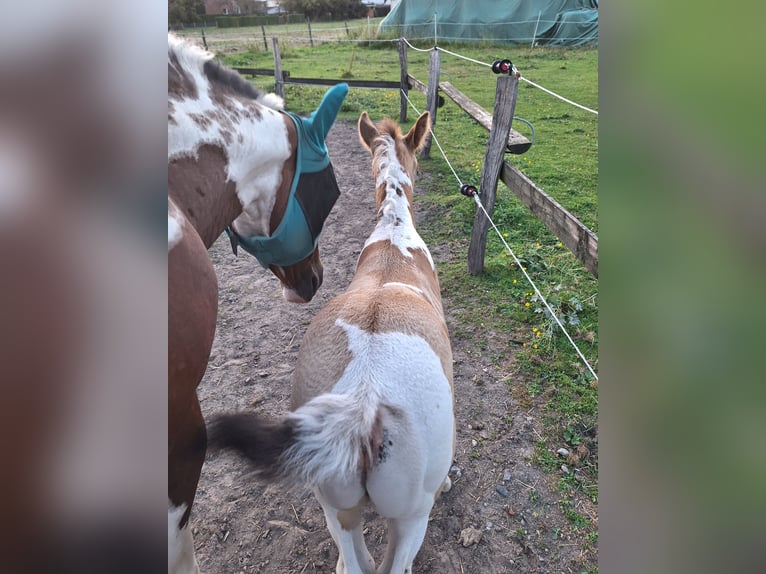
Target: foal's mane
x=387, y=126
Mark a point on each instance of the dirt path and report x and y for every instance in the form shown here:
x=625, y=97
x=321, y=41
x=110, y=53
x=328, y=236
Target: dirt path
x=243, y=525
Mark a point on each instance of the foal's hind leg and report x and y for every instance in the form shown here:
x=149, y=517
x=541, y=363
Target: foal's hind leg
x=405, y=537
x=345, y=527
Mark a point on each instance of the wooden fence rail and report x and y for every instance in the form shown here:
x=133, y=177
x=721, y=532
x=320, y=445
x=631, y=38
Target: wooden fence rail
x=289, y=79
x=580, y=240
x=517, y=143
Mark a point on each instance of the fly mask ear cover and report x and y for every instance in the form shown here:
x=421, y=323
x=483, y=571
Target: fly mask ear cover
x=312, y=195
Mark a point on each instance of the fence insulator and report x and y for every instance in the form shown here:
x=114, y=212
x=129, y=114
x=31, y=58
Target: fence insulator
x=502, y=66
x=468, y=190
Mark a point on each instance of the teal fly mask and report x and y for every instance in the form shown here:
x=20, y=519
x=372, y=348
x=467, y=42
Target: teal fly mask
x=312, y=195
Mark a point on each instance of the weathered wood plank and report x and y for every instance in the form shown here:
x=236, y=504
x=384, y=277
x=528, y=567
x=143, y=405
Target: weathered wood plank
x=351, y=83
x=432, y=97
x=517, y=143
x=417, y=84
x=505, y=104
x=260, y=72
x=580, y=240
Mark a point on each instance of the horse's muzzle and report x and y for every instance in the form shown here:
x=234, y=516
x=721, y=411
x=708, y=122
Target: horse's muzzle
x=304, y=291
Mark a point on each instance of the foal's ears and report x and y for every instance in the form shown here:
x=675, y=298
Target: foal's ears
x=416, y=137
x=367, y=131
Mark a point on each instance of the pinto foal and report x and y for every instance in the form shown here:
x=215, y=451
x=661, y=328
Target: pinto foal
x=372, y=404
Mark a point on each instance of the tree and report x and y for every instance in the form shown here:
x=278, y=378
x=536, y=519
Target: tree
x=339, y=9
x=185, y=11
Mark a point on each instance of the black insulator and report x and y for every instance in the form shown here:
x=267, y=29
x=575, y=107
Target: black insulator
x=468, y=190
x=502, y=66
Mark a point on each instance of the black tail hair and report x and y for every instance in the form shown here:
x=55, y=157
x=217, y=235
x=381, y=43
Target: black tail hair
x=260, y=441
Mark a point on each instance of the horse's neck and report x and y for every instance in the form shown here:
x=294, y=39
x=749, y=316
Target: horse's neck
x=395, y=217
x=226, y=160
x=200, y=189
x=395, y=252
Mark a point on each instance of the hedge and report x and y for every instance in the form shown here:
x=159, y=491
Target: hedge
x=270, y=20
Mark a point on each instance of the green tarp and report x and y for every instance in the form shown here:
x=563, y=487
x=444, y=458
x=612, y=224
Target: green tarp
x=546, y=22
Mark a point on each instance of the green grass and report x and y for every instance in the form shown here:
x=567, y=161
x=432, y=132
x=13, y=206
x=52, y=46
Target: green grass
x=543, y=369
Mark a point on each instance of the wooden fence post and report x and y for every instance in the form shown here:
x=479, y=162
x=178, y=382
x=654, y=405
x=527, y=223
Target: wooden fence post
x=265, y=43
x=204, y=40
x=432, y=97
x=404, y=86
x=311, y=38
x=505, y=104
x=279, y=81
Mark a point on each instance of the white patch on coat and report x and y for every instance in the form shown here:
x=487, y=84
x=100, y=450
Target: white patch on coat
x=257, y=148
x=376, y=365
x=181, y=559
x=175, y=225
x=386, y=370
x=395, y=224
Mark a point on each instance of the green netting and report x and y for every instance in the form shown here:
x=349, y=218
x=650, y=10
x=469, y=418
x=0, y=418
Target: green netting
x=544, y=22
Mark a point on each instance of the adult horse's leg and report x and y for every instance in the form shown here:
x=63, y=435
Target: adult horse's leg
x=192, y=309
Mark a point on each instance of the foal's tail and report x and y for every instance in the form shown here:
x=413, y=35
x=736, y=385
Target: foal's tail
x=332, y=437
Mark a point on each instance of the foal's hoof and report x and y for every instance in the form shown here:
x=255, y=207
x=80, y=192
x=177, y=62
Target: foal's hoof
x=446, y=485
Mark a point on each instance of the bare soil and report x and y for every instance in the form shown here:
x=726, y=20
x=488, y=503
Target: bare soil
x=485, y=524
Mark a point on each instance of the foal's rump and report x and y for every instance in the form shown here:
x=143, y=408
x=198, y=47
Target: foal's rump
x=385, y=428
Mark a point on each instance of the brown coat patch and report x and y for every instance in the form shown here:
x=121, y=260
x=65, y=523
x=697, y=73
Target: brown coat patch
x=203, y=121
x=201, y=190
x=180, y=83
x=350, y=518
x=288, y=173
x=323, y=357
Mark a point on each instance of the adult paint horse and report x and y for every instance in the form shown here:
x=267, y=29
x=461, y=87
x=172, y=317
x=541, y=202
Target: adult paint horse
x=235, y=163
x=372, y=405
